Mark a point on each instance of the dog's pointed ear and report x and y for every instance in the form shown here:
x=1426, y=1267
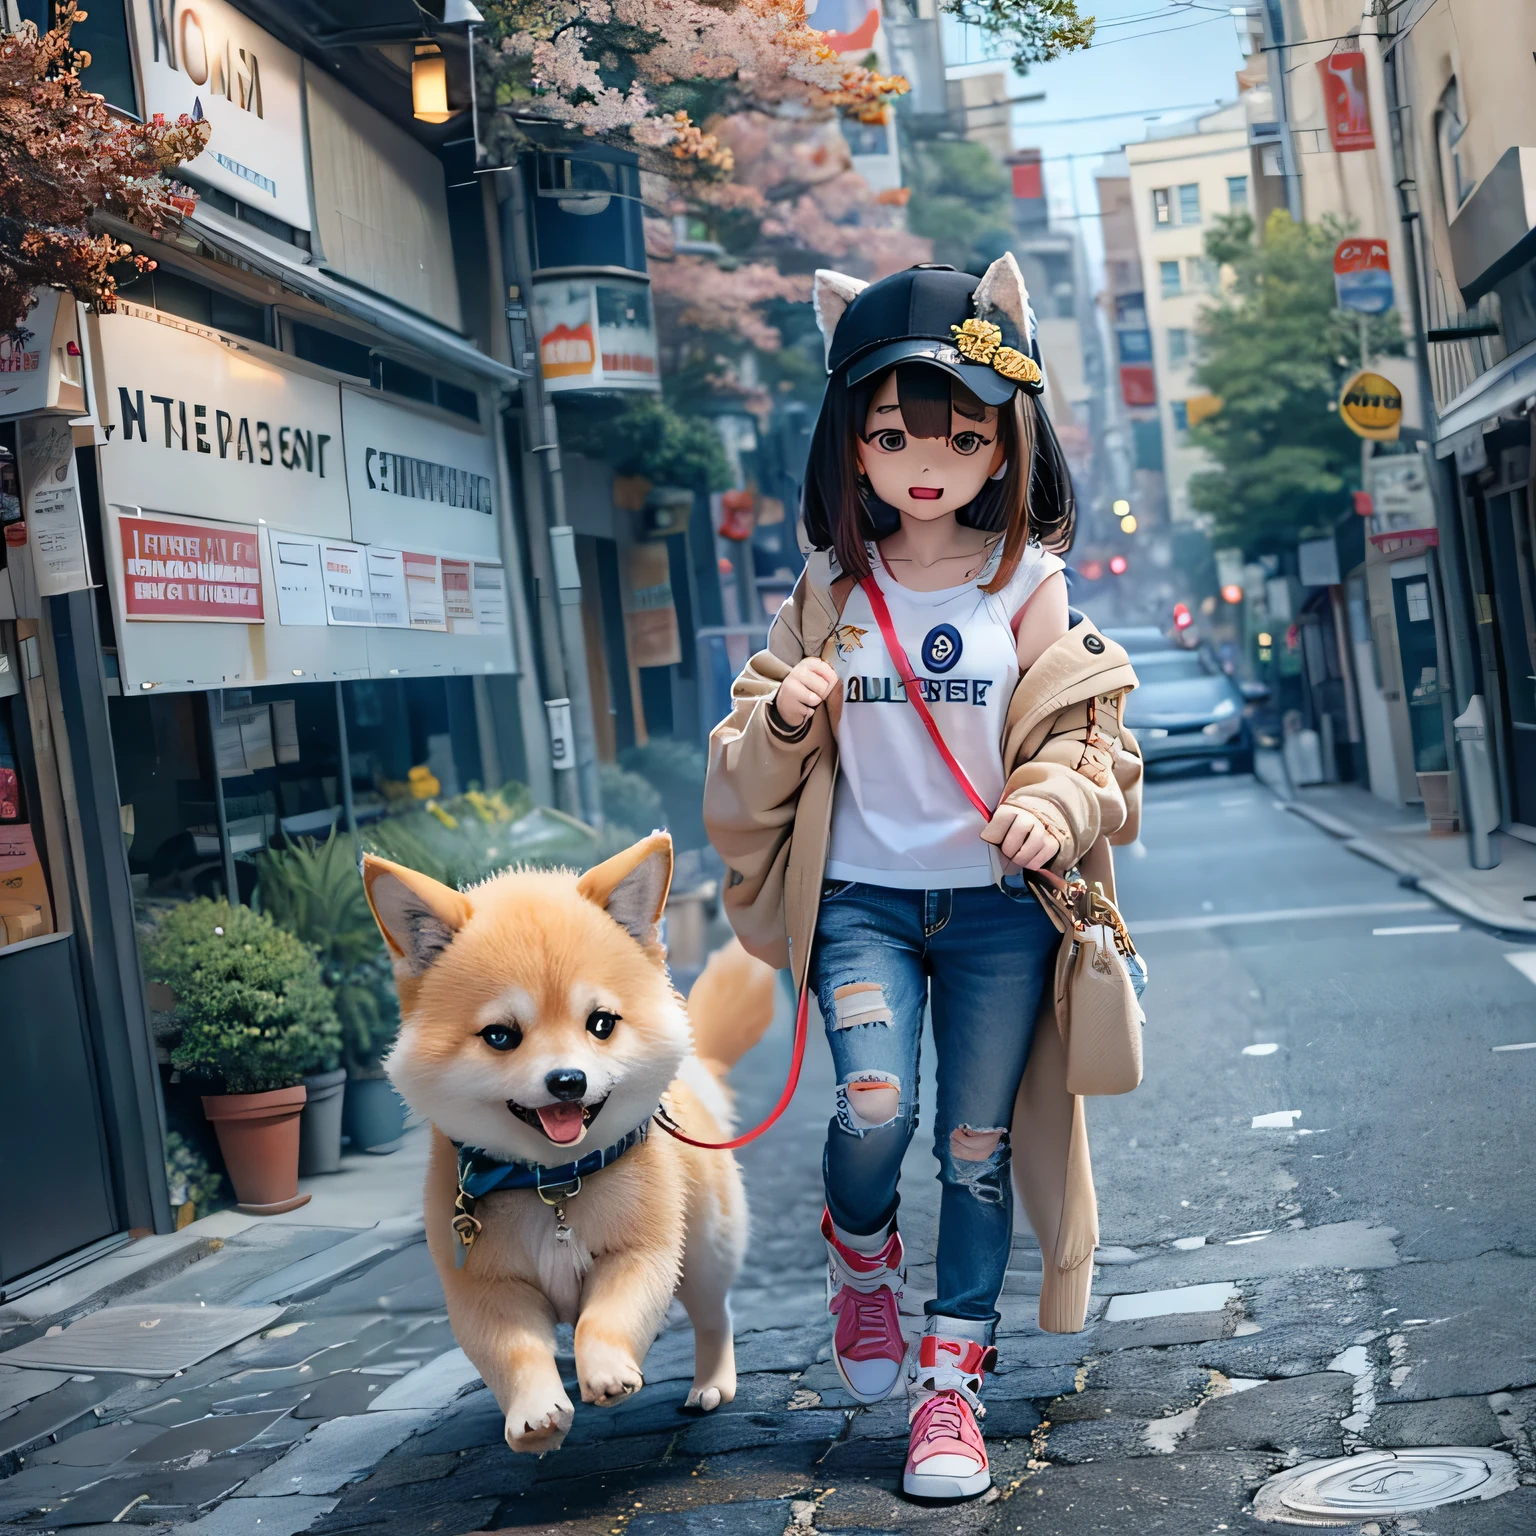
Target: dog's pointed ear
x=1002, y=298
x=831, y=294
x=417, y=915
x=632, y=886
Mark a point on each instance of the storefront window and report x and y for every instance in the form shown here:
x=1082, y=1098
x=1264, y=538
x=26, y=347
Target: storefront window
x=395, y=725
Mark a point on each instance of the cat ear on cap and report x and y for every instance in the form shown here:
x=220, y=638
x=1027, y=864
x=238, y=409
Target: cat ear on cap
x=1002, y=298
x=831, y=294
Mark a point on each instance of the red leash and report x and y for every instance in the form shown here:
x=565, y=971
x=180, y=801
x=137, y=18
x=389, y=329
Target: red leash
x=802, y=1015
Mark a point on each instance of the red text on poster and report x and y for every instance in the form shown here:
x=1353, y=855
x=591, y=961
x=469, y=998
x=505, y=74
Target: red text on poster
x=190, y=571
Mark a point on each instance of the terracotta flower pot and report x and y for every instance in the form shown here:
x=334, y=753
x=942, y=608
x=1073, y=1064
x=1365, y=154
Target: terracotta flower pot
x=259, y=1137
x=320, y=1124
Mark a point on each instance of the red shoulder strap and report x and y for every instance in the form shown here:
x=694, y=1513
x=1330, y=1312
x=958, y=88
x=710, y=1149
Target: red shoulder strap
x=915, y=694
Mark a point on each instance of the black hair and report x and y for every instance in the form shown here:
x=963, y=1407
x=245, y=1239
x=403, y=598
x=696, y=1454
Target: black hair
x=842, y=513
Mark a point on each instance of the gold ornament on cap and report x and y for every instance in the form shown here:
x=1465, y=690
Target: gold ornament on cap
x=979, y=341
x=1016, y=365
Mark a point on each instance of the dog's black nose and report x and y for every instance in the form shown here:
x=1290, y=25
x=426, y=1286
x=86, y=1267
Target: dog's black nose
x=566, y=1084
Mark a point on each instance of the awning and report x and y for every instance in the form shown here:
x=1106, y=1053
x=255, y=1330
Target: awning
x=239, y=242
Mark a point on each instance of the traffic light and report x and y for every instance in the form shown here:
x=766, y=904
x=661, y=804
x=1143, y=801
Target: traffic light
x=1118, y=565
x=1182, y=617
x=1232, y=593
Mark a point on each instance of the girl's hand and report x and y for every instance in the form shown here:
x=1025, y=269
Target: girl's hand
x=1020, y=837
x=808, y=683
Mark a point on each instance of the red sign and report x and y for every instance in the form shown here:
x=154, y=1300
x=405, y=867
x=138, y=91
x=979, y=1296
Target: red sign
x=1138, y=385
x=736, y=515
x=190, y=571
x=1027, y=182
x=1361, y=253
x=1344, y=97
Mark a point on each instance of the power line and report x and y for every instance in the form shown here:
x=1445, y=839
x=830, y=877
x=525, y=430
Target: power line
x=1069, y=122
x=1136, y=37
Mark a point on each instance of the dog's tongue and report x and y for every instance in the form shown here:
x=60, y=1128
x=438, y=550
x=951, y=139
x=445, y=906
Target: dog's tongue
x=562, y=1122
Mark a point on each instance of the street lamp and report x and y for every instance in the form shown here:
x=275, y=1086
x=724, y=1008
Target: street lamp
x=429, y=84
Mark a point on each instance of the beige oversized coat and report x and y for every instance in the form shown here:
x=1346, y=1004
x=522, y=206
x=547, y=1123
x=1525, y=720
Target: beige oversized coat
x=768, y=810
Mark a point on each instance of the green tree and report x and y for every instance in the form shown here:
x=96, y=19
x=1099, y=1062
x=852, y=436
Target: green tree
x=1028, y=31
x=961, y=201
x=1275, y=349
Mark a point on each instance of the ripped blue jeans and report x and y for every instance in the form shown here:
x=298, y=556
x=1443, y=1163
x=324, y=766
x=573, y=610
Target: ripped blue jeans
x=981, y=957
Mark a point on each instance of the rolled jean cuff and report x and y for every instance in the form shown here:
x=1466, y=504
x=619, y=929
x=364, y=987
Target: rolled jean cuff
x=976, y=1330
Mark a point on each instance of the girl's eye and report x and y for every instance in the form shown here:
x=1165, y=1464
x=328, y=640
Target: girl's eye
x=502, y=1037
x=890, y=441
x=600, y=1023
x=966, y=442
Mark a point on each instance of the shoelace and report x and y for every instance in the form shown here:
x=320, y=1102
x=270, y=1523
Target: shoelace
x=939, y=1381
x=945, y=1418
x=871, y=1325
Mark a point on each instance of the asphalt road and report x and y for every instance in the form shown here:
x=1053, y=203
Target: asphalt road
x=1329, y=1165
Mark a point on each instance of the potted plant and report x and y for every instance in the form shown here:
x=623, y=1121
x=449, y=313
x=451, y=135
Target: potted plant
x=193, y=1185
x=313, y=890
x=254, y=1013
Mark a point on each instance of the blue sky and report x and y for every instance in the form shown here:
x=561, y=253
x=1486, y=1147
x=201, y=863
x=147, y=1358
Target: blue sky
x=1163, y=59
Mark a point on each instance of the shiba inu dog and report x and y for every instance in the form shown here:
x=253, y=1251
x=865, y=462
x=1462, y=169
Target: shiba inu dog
x=539, y=1027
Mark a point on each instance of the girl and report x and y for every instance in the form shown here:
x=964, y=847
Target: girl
x=856, y=856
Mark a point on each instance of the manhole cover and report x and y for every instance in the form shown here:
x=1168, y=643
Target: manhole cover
x=1346, y=1489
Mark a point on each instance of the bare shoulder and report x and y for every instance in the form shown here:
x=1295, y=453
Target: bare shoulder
x=1043, y=620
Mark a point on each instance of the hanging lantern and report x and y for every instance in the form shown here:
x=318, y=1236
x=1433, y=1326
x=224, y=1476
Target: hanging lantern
x=429, y=84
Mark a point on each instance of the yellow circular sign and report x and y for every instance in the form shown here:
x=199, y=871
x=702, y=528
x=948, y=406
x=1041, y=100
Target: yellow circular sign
x=1372, y=406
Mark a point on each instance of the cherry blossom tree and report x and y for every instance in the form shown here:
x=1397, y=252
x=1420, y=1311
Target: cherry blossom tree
x=63, y=157
x=644, y=74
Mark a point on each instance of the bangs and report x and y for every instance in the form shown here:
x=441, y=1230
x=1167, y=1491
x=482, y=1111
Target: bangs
x=930, y=398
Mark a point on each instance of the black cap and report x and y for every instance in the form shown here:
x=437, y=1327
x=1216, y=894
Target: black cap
x=907, y=317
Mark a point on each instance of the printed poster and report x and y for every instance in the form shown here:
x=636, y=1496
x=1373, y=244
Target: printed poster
x=55, y=526
x=424, y=591
x=298, y=578
x=178, y=571
x=458, y=596
x=346, y=584
x=490, y=598
x=386, y=588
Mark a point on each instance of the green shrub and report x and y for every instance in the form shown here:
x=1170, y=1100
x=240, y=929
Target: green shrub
x=254, y=1010
x=676, y=770
x=630, y=801
x=315, y=891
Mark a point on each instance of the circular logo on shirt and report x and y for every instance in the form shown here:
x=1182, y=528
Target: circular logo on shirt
x=941, y=648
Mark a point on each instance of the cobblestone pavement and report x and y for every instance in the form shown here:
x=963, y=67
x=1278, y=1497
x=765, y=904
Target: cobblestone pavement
x=1378, y=1291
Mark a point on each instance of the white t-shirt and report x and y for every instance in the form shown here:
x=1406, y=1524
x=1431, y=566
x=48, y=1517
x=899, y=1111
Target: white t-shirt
x=898, y=817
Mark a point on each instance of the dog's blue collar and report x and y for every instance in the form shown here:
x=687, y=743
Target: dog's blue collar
x=480, y=1172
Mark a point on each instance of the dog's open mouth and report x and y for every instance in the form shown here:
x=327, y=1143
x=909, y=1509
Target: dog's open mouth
x=562, y=1123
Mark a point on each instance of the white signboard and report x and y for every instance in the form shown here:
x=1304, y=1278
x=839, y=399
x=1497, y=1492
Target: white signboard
x=198, y=426
x=416, y=482
x=424, y=591
x=490, y=599
x=205, y=59
x=595, y=334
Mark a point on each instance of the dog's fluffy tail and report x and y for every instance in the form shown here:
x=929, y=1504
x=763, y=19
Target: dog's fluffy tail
x=731, y=1005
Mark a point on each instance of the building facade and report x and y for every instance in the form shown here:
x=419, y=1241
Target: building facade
x=263, y=563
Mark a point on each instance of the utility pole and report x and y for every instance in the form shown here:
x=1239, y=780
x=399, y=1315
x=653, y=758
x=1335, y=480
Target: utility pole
x=556, y=570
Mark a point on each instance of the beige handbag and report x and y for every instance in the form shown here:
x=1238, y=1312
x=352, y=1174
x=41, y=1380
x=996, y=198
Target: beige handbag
x=1096, y=1005
x=1096, y=1002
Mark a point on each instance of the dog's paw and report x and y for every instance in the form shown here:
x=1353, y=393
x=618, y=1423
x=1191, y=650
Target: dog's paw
x=706, y=1396
x=607, y=1373
x=539, y=1423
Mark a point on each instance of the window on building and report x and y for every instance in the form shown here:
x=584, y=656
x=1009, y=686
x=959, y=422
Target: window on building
x=1162, y=206
x=1450, y=125
x=1237, y=194
x=177, y=295
x=328, y=350
x=1178, y=346
x=1180, y=415
x=1168, y=271
x=1189, y=203
x=212, y=197
x=1199, y=274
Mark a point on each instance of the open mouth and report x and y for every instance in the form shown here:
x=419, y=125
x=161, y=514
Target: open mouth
x=562, y=1123
x=925, y=492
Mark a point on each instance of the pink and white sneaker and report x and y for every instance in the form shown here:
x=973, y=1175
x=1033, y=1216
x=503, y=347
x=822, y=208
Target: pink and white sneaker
x=946, y=1456
x=864, y=1293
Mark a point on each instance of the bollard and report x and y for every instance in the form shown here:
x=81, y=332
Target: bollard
x=1479, y=791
